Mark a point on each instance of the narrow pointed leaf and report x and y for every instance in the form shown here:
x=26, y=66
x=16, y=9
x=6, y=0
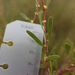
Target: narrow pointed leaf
x=68, y=47
x=43, y=53
x=72, y=52
x=53, y=57
x=50, y=22
x=69, y=41
x=52, y=51
x=49, y=71
x=54, y=73
x=55, y=64
x=48, y=2
x=44, y=38
x=40, y=19
x=69, y=73
x=25, y=17
x=51, y=66
x=47, y=35
x=36, y=2
x=42, y=66
x=35, y=38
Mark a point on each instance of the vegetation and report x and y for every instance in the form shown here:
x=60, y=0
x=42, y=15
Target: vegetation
x=56, y=47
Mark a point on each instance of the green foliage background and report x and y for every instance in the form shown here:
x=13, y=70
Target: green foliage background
x=62, y=11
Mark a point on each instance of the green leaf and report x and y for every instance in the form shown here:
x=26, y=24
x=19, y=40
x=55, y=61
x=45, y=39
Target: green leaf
x=44, y=38
x=35, y=38
x=52, y=51
x=50, y=22
x=47, y=35
x=42, y=66
x=67, y=46
x=43, y=53
x=47, y=3
x=72, y=52
x=40, y=19
x=54, y=73
x=36, y=2
x=51, y=66
x=69, y=41
x=69, y=73
x=49, y=71
x=53, y=57
x=25, y=17
x=55, y=64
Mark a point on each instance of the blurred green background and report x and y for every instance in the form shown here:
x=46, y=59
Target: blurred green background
x=62, y=11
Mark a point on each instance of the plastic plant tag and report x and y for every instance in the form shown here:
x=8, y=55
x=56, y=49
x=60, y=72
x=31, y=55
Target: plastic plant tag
x=19, y=51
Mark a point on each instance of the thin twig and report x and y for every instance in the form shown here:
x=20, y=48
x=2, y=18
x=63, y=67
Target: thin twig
x=64, y=63
x=44, y=26
x=36, y=12
x=44, y=21
x=70, y=68
x=65, y=70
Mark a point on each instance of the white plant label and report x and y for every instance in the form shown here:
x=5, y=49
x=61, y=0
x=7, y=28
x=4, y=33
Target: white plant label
x=23, y=57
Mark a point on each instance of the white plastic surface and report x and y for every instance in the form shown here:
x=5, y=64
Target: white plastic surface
x=24, y=56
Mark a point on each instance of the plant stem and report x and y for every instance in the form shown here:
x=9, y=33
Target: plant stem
x=70, y=68
x=65, y=70
x=44, y=27
x=45, y=34
x=36, y=12
x=66, y=61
